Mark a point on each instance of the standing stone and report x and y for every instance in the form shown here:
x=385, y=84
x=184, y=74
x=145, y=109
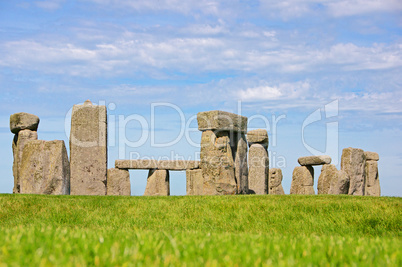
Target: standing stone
x=223, y=152
x=157, y=183
x=275, y=182
x=328, y=173
x=241, y=168
x=45, y=168
x=217, y=164
x=118, y=182
x=258, y=161
x=371, y=172
x=340, y=185
x=88, y=149
x=303, y=181
x=353, y=163
x=194, y=182
x=22, y=121
x=20, y=139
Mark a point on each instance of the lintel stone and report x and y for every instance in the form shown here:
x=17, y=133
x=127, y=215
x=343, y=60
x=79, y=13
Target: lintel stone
x=147, y=164
x=221, y=121
x=314, y=160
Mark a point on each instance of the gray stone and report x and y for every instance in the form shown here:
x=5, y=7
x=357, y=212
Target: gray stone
x=194, y=182
x=157, y=183
x=146, y=164
x=45, y=168
x=88, y=149
x=371, y=155
x=314, y=160
x=241, y=167
x=221, y=121
x=118, y=182
x=258, y=136
x=372, y=179
x=302, y=181
x=258, y=170
x=22, y=121
x=329, y=173
x=275, y=182
x=19, y=142
x=217, y=164
x=339, y=185
x=353, y=163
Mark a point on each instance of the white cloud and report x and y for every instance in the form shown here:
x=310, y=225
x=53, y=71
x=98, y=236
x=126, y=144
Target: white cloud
x=49, y=4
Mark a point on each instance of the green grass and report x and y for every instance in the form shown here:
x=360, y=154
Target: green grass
x=200, y=230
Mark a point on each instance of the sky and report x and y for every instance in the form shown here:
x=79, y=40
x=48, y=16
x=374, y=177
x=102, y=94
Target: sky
x=320, y=76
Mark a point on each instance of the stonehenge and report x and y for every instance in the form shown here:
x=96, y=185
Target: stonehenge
x=232, y=161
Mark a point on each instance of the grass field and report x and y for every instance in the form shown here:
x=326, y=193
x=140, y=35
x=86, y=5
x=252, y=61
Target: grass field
x=200, y=230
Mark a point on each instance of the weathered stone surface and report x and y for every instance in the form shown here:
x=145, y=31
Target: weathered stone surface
x=221, y=121
x=194, y=182
x=88, y=149
x=241, y=167
x=157, y=183
x=372, y=179
x=118, y=182
x=258, y=170
x=275, y=182
x=45, y=168
x=258, y=136
x=329, y=173
x=302, y=181
x=19, y=142
x=340, y=185
x=21, y=121
x=314, y=160
x=371, y=155
x=353, y=162
x=146, y=164
x=217, y=164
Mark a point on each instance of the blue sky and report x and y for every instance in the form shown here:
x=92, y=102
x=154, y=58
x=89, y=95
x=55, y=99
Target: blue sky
x=271, y=58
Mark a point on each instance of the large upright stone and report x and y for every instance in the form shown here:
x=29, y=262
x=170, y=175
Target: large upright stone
x=275, y=182
x=88, y=149
x=340, y=185
x=353, y=163
x=157, y=183
x=372, y=178
x=329, y=173
x=20, y=139
x=258, y=170
x=118, y=182
x=303, y=181
x=45, y=168
x=239, y=147
x=194, y=182
x=217, y=164
x=221, y=121
x=23, y=121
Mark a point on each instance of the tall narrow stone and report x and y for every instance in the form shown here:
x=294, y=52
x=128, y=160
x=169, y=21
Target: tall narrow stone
x=157, y=183
x=275, y=182
x=258, y=162
x=223, y=152
x=118, y=182
x=353, y=163
x=88, y=149
x=45, y=168
x=194, y=182
x=19, y=142
x=303, y=181
x=328, y=173
x=372, y=186
x=339, y=185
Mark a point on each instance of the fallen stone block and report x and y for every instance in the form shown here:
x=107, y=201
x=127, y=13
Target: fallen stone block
x=314, y=160
x=45, y=168
x=23, y=121
x=118, y=182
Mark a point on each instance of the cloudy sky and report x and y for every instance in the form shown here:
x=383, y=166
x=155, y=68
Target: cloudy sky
x=277, y=62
